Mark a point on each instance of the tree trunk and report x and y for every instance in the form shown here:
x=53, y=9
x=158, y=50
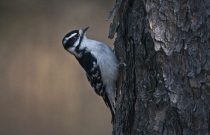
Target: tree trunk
x=166, y=47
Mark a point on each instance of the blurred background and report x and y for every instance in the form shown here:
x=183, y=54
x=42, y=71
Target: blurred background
x=43, y=89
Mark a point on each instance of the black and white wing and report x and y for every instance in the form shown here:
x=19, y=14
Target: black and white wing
x=95, y=80
x=94, y=77
x=89, y=63
x=93, y=72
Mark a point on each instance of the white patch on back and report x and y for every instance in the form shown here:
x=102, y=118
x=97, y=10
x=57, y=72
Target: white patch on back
x=106, y=59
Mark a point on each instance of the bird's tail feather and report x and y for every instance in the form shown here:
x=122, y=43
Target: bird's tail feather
x=110, y=105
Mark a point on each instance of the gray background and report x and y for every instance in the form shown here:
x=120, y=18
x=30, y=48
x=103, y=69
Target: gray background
x=43, y=89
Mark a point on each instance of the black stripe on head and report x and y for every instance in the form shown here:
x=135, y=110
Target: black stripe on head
x=81, y=38
x=70, y=38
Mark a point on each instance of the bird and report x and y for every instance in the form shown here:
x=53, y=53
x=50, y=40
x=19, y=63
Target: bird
x=99, y=62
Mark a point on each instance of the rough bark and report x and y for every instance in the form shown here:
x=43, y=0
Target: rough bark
x=166, y=47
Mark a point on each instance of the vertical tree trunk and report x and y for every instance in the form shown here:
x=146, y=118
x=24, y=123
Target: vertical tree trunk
x=166, y=47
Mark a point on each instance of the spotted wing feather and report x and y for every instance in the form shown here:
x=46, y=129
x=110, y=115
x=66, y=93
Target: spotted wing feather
x=94, y=77
x=89, y=63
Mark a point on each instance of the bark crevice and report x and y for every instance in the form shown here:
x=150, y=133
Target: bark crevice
x=166, y=47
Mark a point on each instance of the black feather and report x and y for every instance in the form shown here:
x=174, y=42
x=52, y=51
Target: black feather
x=89, y=63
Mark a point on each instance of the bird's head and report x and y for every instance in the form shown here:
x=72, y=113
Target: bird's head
x=73, y=39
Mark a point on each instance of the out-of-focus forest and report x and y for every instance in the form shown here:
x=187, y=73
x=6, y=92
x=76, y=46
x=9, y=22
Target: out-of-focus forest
x=43, y=89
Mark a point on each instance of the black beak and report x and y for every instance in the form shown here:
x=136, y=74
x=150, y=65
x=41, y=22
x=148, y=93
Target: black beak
x=85, y=29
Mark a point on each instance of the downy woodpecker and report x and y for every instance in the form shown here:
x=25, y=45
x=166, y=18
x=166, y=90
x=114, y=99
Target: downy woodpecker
x=99, y=62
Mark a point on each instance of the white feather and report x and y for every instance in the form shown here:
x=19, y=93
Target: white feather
x=106, y=60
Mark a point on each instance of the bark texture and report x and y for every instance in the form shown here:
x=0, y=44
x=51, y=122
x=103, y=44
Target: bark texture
x=166, y=47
